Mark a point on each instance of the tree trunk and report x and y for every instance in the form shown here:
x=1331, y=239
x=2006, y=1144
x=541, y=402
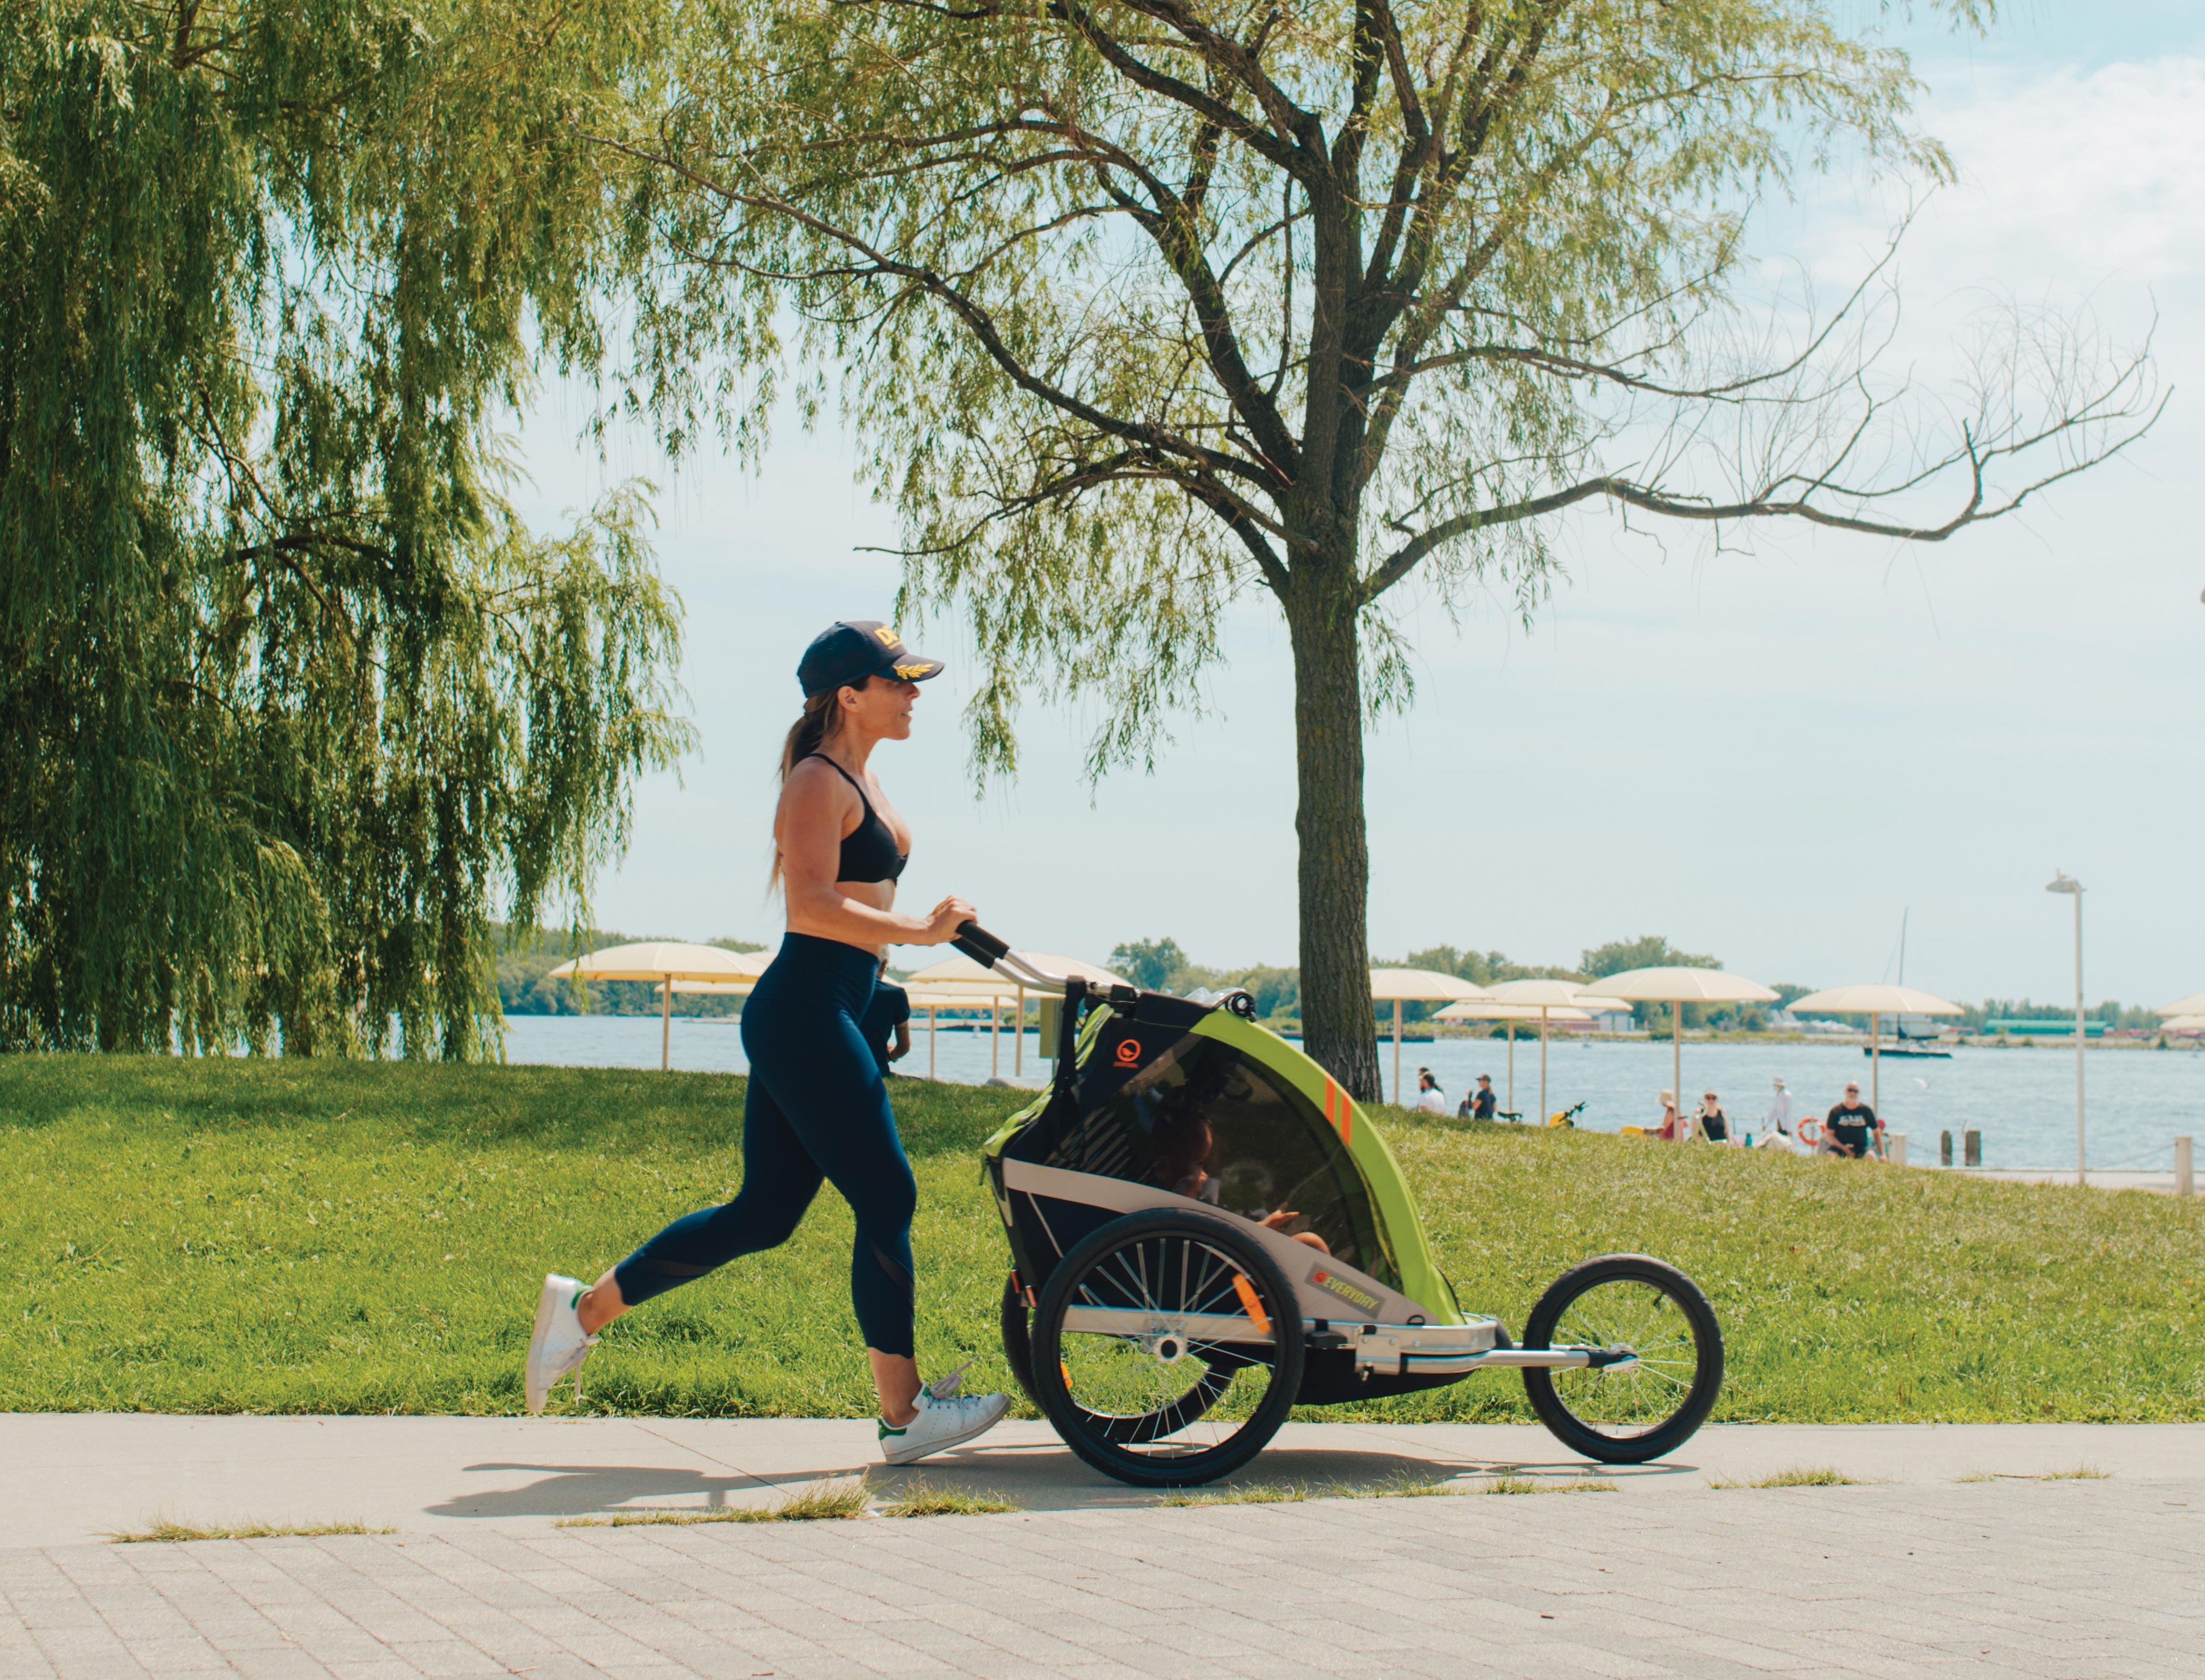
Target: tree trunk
x=1338, y=1029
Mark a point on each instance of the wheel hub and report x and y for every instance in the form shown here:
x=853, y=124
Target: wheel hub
x=1167, y=1347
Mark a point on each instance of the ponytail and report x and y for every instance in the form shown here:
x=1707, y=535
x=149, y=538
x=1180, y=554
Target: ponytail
x=809, y=731
x=815, y=726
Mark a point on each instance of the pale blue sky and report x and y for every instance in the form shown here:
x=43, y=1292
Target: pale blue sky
x=1764, y=755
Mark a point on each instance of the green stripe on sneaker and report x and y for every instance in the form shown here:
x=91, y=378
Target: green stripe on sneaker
x=888, y=1429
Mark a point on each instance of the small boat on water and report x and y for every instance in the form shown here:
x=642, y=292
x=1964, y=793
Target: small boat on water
x=1908, y=1048
x=1922, y=1042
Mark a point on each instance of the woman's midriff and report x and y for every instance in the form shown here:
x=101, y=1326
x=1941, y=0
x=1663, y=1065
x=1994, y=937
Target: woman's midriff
x=873, y=894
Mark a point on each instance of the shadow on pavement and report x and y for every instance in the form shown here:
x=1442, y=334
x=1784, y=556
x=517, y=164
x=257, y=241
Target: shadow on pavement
x=1044, y=1475
x=589, y=1490
x=1039, y=1476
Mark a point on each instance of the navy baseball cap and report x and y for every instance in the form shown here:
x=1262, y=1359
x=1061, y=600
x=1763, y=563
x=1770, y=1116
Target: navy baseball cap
x=850, y=652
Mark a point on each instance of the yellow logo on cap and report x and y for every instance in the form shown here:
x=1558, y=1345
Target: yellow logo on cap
x=888, y=638
x=913, y=673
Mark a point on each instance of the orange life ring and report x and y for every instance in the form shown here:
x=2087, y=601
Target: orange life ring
x=1801, y=1131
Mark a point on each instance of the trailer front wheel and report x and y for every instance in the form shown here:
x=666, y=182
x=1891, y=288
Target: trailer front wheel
x=1658, y=1358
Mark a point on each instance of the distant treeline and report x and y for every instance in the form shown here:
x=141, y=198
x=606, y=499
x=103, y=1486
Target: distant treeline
x=1160, y=964
x=2021, y=1009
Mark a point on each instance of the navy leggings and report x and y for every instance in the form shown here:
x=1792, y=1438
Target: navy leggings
x=817, y=1108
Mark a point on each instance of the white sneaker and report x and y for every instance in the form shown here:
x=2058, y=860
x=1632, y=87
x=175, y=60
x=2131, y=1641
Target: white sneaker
x=559, y=1344
x=945, y=1419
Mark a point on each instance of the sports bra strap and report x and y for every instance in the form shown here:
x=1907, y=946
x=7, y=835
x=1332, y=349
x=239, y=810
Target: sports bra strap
x=846, y=777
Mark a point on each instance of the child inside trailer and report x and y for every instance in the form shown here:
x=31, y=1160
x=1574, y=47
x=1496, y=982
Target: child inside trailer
x=1185, y=1141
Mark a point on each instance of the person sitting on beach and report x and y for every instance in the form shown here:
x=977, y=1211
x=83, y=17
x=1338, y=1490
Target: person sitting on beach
x=1481, y=1104
x=1430, y=1097
x=1714, y=1124
x=1672, y=1129
x=1851, y=1128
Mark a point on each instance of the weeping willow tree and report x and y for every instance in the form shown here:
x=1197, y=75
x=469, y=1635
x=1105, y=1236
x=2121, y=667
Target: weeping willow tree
x=1139, y=306
x=290, y=702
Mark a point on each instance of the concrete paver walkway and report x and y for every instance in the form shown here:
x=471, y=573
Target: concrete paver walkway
x=81, y=1477
x=2067, y=1580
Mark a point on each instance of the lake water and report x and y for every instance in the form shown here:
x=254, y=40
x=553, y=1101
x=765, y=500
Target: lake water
x=2022, y=1101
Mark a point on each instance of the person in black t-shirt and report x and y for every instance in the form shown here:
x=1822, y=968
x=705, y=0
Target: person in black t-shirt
x=1851, y=1127
x=887, y=1013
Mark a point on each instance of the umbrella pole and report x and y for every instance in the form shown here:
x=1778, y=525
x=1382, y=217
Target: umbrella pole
x=666, y=1024
x=1542, y=1064
x=995, y=1039
x=1018, y=1037
x=933, y=1028
x=1677, y=1065
x=1511, y=1067
x=1874, y=1067
x=1398, y=1103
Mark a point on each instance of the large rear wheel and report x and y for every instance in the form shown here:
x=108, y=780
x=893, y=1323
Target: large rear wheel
x=1659, y=1358
x=1167, y=1348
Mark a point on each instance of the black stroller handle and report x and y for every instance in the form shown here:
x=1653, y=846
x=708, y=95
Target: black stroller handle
x=997, y=958
x=977, y=943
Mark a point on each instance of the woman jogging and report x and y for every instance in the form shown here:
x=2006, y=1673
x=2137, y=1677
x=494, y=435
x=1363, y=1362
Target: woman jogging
x=817, y=1107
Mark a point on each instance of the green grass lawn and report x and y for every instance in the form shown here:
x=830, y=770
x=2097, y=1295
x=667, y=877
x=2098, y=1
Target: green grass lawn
x=292, y=1236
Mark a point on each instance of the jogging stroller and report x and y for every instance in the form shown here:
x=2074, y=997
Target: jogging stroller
x=1205, y=1232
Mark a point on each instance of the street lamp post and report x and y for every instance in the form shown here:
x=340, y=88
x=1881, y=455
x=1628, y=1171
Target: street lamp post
x=2061, y=882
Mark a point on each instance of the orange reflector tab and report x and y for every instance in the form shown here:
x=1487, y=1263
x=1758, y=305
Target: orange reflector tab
x=1250, y=1303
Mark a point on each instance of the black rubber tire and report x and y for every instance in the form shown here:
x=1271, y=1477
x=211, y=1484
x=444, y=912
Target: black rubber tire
x=1102, y=1441
x=1017, y=1340
x=1658, y=1435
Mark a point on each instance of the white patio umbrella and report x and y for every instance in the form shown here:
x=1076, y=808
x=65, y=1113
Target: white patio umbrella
x=1680, y=985
x=1548, y=995
x=959, y=971
x=1492, y=1009
x=2192, y=1004
x=1415, y=985
x=662, y=962
x=1876, y=1002
x=991, y=995
x=2183, y=1024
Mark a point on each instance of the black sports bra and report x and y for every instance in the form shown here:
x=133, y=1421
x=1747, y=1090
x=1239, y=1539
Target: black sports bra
x=868, y=851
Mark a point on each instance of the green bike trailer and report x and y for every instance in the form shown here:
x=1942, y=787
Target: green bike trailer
x=1206, y=1230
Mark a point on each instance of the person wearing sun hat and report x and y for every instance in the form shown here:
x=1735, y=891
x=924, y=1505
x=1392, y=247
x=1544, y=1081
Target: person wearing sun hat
x=817, y=1109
